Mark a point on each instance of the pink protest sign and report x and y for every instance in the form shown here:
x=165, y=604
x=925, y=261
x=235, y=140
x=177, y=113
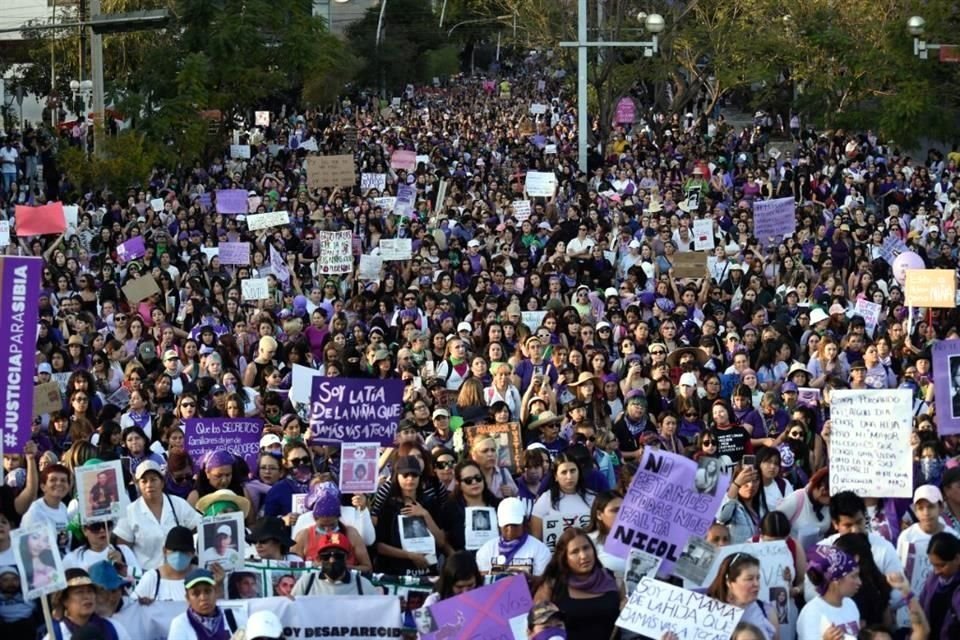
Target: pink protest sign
x=403, y=159
x=626, y=111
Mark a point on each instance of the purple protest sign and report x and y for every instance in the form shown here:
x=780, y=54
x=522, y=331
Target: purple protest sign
x=131, y=249
x=239, y=436
x=774, y=219
x=19, y=314
x=231, y=201
x=626, y=111
x=355, y=410
x=403, y=159
x=946, y=385
x=486, y=612
x=235, y=253
x=670, y=499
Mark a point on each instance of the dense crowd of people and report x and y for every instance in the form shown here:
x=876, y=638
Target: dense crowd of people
x=623, y=355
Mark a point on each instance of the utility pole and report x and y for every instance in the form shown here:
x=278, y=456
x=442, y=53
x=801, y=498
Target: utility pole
x=654, y=23
x=96, y=75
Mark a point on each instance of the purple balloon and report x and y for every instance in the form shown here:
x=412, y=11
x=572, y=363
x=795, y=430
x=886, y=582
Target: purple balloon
x=904, y=261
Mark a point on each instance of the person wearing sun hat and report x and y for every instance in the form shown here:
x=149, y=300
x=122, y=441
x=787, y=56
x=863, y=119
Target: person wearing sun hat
x=78, y=602
x=203, y=619
x=223, y=501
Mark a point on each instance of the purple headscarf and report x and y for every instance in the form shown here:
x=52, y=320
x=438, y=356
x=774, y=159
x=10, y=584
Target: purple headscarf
x=324, y=500
x=832, y=563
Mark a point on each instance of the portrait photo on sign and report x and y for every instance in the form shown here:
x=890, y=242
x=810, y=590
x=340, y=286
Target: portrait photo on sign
x=640, y=564
x=38, y=560
x=100, y=491
x=695, y=560
x=953, y=363
x=243, y=585
x=222, y=541
x=707, y=476
x=779, y=598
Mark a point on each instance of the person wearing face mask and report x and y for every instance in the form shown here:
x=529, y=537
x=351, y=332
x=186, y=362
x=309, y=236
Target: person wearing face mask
x=165, y=583
x=325, y=498
x=298, y=464
x=335, y=578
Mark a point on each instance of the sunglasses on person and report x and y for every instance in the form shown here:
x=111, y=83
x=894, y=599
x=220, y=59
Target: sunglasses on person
x=658, y=352
x=296, y=462
x=96, y=527
x=188, y=405
x=446, y=464
x=709, y=443
x=471, y=479
x=328, y=556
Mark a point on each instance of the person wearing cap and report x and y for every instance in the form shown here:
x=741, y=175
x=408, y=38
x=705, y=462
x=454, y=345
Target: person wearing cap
x=442, y=435
x=78, y=602
x=112, y=600
x=514, y=550
x=406, y=497
x=203, y=619
x=545, y=622
x=913, y=542
x=146, y=521
x=263, y=625
x=165, y=583
x=20, y=618
x=331, y=552
x=326, y=516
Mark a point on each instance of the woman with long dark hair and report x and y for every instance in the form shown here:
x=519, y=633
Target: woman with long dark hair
x=567, y=498
x=470, y=491
x=581, y=587
x=603, y=513
x=459, y=575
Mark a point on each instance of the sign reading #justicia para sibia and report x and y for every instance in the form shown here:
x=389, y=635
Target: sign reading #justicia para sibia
x=19, y=316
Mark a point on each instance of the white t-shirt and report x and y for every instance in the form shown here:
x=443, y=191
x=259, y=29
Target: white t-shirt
x=805, y=528
x=84, y=558
x=39, y=513
x=8, y=159
x=169, y=591
x=817, y=615
x=140, y=527
x=773, y=494
x=532, y=557
x=571, y=511
x=912, y=552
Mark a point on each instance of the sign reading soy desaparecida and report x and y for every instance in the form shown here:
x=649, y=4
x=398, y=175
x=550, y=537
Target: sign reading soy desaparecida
x=355, y=410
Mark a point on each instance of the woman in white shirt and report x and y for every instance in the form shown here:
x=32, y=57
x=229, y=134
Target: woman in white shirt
x=836, y=577
x=566, y=503
x=148, y=519
x=503, y=390
x=604, y=512
x=55, y=484
x=808, y=509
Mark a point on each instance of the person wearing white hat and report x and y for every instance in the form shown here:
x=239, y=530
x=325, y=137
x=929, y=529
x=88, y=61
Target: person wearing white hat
x=514, y=550
x=913, y=541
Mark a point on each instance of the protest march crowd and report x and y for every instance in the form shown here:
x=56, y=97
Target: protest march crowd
x=407, y=356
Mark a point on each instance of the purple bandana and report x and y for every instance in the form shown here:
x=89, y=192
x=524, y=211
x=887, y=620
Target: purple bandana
x=833, y=563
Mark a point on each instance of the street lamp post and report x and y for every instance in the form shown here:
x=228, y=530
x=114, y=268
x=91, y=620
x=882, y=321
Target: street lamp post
x=82, y=91
x=921, y=48
x=654, y=23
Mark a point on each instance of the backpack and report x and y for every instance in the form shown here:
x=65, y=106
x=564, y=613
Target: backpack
x=313, y=577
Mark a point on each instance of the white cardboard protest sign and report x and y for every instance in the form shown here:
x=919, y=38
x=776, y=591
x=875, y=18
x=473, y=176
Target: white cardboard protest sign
x=254, y=289
x=870, y=452
x=395, y=249
x=688, y=614
x=240, y=151
x=370, y=267
x=4, y=233
x=703, y=235
x=541, y=184
x=258, y=221
x=870, y=312
x=521, y=210
x=261, y=118
x=376, y=181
